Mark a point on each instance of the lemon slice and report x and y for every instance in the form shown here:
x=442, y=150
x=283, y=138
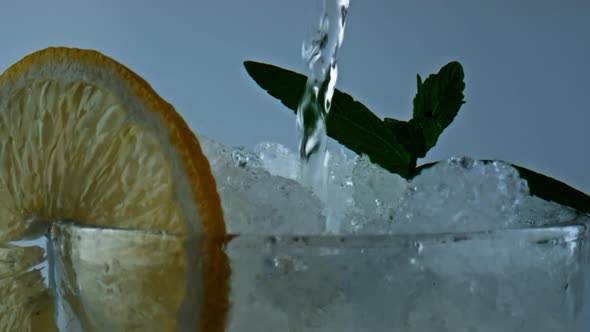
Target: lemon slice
x=26, y=304
x=84, y=138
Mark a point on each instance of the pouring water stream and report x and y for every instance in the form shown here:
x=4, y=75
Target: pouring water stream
x=320, y=53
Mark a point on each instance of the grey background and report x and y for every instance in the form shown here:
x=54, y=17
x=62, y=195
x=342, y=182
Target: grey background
x=526, y=64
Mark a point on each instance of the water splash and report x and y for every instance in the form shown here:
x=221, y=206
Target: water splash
x=321, y=53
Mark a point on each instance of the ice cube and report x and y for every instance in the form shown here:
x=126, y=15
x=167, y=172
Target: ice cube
x=376, y=196
x=257, y=202
x=534, y=211
x=339, y=190
x=262, y=193
x=278, y=160
x=462, y=195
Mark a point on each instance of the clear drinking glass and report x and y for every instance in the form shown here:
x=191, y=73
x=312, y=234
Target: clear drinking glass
x=531, y=279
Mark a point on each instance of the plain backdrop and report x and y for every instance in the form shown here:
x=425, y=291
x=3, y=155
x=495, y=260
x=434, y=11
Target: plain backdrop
x=525, y=61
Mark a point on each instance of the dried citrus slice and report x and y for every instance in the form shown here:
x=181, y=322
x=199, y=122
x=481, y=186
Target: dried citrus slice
x=84, y=138
x=27, y=305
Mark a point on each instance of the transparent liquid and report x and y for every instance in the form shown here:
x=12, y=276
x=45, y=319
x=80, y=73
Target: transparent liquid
x=320, y=53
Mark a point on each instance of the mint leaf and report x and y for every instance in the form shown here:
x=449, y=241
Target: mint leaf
x=436, y=104
x=349, y=122
x=409, y=136
x=353, y=125
x=285, y=85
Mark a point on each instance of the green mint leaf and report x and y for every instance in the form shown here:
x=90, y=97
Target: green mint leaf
x=285, y=85
x=436, y=104
x=349, y=122
x=409, y=135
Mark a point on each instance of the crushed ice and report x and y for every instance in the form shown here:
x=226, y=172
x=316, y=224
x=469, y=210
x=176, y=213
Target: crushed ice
x=261, y=192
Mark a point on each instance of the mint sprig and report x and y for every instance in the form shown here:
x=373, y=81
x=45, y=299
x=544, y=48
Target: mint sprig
x=394, y=144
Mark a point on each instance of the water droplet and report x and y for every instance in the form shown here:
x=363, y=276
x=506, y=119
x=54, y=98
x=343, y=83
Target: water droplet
x=343, y=12
x=462, y=162
x=244, y=160
x=288, y=264
x=272, y=240
x=276, y=262
x=419, y=247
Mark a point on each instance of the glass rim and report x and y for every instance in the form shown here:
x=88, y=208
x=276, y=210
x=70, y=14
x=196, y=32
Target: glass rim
x=551, y=233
